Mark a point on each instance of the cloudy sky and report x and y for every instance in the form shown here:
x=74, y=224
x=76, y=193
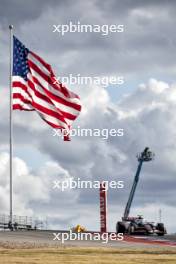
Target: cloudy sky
x=144, y=106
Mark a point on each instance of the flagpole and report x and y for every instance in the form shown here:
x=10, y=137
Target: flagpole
x=11, y=127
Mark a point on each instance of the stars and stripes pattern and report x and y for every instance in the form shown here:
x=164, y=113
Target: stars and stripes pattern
x=35, y=88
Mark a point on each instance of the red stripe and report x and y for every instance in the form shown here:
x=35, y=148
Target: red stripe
x=48, y=111
x=38, y=94
x=19, y=107
x=66, y=114
x=66, y=137
x=51, y=124
x=50, y=80
x=64, y=90
x=46, y=65
x=45, y=98
x=59, y=86
x=57, y=98
x=45, y=110
x=17, y=84
x=21, y=97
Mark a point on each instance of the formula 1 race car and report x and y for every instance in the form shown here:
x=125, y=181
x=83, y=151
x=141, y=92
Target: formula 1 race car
x=137, y=226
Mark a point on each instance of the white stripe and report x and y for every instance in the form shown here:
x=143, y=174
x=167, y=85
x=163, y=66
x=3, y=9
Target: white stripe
x=48, y=106
x=19, y=79
x=43, y=103
x=38, y=63
x=23, y=105
x=60, y=106
x=52, y=119
x=19, y=90
x=52, y=90
x=47, y=117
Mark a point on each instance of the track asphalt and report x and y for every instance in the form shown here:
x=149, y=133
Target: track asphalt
x=45, y=239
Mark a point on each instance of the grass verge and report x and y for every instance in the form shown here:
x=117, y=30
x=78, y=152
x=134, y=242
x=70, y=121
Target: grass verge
x=77, y=255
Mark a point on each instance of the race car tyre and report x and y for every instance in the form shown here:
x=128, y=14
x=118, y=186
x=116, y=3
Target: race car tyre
x=120, y=228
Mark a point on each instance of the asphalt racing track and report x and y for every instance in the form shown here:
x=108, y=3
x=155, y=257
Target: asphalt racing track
x=45, y=238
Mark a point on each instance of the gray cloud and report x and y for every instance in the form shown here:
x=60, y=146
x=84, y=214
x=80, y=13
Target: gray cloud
x=148, y=33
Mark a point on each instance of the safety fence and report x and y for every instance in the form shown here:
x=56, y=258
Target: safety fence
x=21, y=223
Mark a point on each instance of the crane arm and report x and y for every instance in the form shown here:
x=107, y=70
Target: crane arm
x=133, y=189
x=146, y=155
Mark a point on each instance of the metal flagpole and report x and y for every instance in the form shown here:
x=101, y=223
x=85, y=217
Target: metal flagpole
x=11, y=127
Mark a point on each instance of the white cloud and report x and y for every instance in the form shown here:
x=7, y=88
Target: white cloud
x=32, y=190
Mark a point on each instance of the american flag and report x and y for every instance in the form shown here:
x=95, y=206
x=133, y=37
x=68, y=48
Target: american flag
x=35, y=88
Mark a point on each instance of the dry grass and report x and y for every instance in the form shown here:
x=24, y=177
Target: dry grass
x=77, y=255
